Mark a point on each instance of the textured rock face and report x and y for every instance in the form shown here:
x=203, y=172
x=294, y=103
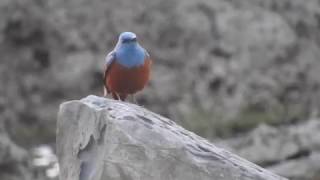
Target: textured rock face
x=98, y=138
x=293, y=151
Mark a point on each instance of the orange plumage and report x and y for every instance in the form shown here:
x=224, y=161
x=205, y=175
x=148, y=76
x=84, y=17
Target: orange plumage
x=121, y=81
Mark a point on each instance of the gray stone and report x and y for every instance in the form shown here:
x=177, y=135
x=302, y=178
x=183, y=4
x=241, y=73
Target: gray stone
x=291, y=151
x=99, y=138
x=303, y=168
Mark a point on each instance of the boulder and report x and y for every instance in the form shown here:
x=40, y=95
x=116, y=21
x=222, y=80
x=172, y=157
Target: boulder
x=99, y=138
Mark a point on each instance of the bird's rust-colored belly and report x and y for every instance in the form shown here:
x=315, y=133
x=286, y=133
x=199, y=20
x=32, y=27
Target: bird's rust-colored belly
x=122, y=80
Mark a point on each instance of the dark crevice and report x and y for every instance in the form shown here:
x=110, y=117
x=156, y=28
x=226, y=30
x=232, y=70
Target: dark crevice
x=203, y=148
x=147, y=120
x=102, y=134
x=129, y=118
x=268, y=163
x=87, y=148
x=300, y=154
x=208, y=156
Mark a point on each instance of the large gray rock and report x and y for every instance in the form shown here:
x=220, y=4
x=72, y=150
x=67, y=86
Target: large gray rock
x=98, y=138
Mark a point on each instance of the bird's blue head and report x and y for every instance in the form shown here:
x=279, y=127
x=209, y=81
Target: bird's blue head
x=127, y=37
x=128, y=51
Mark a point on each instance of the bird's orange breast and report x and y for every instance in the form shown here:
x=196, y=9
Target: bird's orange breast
x=123, y=80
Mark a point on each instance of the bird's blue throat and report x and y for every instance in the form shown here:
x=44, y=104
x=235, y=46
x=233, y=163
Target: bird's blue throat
x=130, y=55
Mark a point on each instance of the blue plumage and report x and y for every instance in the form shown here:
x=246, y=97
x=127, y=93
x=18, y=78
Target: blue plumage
x=128, y=52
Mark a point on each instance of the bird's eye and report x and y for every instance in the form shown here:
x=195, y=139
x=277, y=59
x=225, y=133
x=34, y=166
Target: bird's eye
x=125, y=40
x=129, y=40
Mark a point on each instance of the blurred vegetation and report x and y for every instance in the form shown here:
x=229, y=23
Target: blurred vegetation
x=256, y=60
x=213, y=124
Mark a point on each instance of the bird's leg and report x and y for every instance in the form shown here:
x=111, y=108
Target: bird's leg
x=118, y=97
x=105, y=93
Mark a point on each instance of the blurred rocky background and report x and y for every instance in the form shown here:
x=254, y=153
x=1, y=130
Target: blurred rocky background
x=244, y=74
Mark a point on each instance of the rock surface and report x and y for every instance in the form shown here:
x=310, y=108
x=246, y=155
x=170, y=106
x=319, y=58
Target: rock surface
x=98, y=138
x=291, y=151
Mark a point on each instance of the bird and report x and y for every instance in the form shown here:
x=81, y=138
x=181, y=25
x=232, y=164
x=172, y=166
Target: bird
x=127, y=68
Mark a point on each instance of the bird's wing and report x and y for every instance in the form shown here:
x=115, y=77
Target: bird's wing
x=108, y=63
